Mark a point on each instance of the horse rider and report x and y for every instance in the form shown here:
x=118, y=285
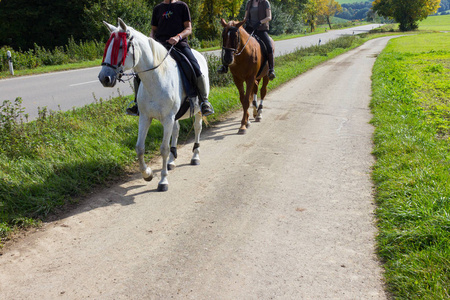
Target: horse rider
x=171, y=25
x=258, y=14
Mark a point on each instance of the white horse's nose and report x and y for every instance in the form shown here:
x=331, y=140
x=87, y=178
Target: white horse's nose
x=107, y=80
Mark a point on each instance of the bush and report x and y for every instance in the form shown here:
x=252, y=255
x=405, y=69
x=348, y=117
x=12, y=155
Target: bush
x=89, y=50
x=21, y=60
x=216, y=79
x=39, y=56
x=50, y=58
x=283, y=22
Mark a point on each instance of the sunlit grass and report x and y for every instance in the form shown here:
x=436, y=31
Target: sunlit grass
x=436, y=23
x=411, y=106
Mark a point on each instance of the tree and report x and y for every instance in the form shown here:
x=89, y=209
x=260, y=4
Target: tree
x=314, y=9
x=136, y=13
x=406, y=12
x=48, y=23
x=331, y=8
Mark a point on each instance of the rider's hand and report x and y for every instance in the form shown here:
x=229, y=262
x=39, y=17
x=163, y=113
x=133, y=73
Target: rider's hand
x=174, y=40
x=258, y=24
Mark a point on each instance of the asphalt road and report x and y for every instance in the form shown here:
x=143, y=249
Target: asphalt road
x=64, y=90
x=283, y=212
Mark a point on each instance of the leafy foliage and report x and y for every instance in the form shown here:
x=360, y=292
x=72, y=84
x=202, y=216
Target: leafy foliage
x=355, y=11
x=406, y=13
x=314, y=9
x=46, y=23
x=40, y=56
x=51, y=24
x=136, y=12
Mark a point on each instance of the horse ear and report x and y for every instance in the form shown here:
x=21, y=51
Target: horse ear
x=122, y=24
x=222, y=21
x=240, y=23
x=111, y=28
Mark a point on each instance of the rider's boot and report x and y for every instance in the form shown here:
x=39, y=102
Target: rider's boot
x=205, y=106
x=222, y=69
x=134, y=111
x=271, y=71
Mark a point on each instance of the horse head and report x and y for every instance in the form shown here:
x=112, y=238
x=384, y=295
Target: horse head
x=116, y=57
x=230, y=40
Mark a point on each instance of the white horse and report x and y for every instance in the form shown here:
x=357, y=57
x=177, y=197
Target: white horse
x=160, y=93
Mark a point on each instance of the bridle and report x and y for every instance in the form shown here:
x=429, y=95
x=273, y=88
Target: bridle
x=127, y=42
x=235, y=50
x=117, y=37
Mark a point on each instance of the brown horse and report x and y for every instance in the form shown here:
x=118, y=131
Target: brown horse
x=243, y=54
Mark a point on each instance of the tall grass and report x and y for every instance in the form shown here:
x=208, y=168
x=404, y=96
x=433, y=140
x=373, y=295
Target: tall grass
x=411, y=107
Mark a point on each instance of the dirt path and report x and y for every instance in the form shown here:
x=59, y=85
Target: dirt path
x=284, y=212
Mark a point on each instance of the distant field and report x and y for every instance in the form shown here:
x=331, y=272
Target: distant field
x=436, y=23
x=337, y=20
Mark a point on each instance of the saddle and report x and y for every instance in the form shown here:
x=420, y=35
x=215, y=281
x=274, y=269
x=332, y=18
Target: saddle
x=189, y=80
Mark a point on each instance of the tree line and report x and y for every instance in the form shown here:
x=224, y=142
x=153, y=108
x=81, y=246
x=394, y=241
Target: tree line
x=52, y=23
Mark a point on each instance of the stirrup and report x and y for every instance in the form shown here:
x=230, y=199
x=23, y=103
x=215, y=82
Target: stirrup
x=223, y=69
x=272, y=75
x=206, y=108
x=132, y=109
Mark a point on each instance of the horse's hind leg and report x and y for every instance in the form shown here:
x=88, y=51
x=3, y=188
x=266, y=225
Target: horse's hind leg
x=263, y=95
x=173, y=146
x=255, y=101
x=195, y=160
x=168, y=125
x=144, y=124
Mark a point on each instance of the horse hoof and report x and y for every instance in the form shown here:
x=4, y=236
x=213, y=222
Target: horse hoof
x=149, y=178
x=242, y=131
x=258, y=119
x=163, y=187
x=170, y=167
x=195, y=162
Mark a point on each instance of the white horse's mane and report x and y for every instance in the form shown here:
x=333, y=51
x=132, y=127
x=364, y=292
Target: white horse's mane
x=159, y=51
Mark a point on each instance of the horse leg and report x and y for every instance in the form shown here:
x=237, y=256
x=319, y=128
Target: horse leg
x=245, y=123
x=242, y=97
x=255, y=101
x=195, y=160
x=144, y=124
x=168, y=125
x=173, y=146
x=263, y=95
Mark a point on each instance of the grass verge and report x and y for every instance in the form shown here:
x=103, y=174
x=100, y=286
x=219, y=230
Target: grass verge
x=411, y=88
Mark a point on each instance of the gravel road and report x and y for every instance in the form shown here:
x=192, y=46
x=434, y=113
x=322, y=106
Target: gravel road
x=283, y=212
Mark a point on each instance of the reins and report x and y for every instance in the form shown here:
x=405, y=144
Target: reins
x=152, y=68
x=135, y=74
x=242, y=50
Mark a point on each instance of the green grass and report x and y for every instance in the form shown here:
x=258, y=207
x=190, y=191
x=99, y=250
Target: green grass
x=411, y=94
x=427, y=42
x=47, y=163
x=436, y=23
